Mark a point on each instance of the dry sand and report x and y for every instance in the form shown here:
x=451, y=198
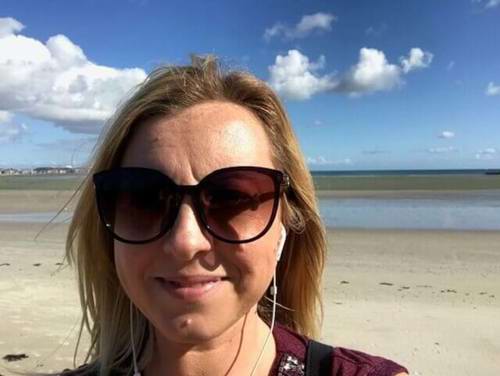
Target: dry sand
x=429, y=300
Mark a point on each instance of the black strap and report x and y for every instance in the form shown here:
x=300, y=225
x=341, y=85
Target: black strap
x=319, y=360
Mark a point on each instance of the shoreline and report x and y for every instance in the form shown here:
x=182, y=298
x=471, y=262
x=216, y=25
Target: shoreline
x=367, y=230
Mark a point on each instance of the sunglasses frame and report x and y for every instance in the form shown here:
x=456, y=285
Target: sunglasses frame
x=280, y=179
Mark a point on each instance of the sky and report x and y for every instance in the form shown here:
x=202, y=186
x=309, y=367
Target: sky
x=369, y=85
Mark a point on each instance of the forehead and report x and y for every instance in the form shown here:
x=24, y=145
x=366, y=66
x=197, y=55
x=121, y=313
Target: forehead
x=199, y=140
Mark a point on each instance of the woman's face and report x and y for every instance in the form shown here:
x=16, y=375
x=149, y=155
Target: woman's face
x=187, y=147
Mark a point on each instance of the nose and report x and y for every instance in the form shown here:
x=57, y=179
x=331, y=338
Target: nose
x=187, y=237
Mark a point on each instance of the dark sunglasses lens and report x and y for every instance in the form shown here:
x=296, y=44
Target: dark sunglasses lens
x=238, y=205
x=136, y=205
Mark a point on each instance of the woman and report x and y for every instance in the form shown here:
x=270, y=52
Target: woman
x=197, y=238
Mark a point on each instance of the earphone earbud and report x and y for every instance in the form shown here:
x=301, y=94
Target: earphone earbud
x=281, y=243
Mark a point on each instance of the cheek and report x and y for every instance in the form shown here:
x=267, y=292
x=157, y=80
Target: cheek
x=256, y=263
x=131, y=265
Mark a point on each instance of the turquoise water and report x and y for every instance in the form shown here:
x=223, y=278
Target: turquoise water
x=453, y=211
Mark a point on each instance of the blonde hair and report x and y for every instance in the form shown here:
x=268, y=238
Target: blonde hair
x=166, y=91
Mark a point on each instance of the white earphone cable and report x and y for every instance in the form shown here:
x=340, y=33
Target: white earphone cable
x=134, y=357
x=274, y=292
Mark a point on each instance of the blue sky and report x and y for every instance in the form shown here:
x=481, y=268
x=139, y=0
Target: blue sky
x=384, y=84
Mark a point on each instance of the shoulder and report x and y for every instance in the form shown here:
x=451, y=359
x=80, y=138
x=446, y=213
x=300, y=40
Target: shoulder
x=292, y=349
x=348, y=362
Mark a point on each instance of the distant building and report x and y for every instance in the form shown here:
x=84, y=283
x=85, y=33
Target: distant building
x=81, y=170
x=53, y=170
x=9, y=171
x=45, y=171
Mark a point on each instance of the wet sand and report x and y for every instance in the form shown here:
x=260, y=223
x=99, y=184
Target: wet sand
x=427, y=299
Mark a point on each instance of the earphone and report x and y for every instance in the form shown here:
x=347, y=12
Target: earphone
x=281, y=243
x=274, y=293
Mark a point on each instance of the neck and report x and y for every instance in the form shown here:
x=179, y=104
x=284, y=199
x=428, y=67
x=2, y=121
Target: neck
x=232, y=353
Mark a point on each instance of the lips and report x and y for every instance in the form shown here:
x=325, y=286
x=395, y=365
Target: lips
x=190, y=288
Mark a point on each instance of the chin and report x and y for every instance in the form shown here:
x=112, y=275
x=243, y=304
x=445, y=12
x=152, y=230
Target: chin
x=191, y=329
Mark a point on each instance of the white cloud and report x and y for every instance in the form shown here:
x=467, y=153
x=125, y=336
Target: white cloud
x=322, y=161
x=417, y=59
x=10, y=131
x=450, y=65
x=5, y=117
x=486, y=154
x=294, y=77
x=488, y=3
x=492, y=3
x=55, y=81
x=307, y=25
x=274, y=31
x=441, y=150
x=447, y=134
x=371, y=73
x=492, y=89
x=9, y=25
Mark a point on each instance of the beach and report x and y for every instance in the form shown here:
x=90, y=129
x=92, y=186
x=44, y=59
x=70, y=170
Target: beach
x=429, y=300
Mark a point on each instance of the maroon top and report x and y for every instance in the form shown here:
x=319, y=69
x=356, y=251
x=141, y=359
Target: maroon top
x=291, y=353
x=290, y=359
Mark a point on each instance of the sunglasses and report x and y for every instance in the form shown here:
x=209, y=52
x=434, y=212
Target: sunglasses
x=235, y=204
